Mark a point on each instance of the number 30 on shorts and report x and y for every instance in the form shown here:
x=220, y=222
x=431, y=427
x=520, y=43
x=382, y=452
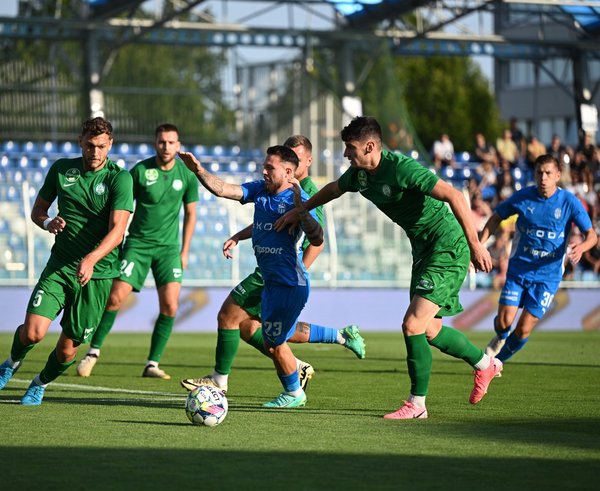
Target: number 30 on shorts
x=547, y=299
x=127, y=267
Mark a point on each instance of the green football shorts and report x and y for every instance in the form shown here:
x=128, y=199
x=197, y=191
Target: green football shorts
x=82, y=307
x=165, y=263
x=248, y=293
x=439, y=274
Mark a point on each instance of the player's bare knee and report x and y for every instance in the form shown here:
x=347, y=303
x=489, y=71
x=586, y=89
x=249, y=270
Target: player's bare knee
x=170, y=309
x=31, y=333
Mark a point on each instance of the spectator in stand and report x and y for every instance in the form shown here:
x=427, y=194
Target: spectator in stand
x=557, y=149
x=480, y=210
x=517, y=136
x=443, y=152
x=590, y=263
x=535, y=148
x=507, y=149
x=488, y=180
x=505, y=187
x=483, y=150
x=585, y=160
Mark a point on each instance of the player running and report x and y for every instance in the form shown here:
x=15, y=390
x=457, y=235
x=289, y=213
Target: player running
x=161, y=186
x=94, y=204
x=536, y=265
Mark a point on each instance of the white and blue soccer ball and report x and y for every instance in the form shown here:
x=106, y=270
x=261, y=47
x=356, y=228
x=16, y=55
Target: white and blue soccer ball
x=206, y=405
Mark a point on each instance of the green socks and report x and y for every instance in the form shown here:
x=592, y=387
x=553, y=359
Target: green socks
x=106, y=323
x=256, y=341
x=160, y=336
x=454, y=343
x=418, y=359
x=53, y=368
x=18, y=350
x=228, y=342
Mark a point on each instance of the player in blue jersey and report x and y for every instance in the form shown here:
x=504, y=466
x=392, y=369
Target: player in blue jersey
x=278, y=254
x=545, y=217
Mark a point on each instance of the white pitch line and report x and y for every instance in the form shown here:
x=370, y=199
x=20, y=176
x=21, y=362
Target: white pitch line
x=105, y=389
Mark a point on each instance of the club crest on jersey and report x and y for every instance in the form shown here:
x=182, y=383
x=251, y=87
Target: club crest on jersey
x=151, y=175
x=362, y=179
x=72, y=175
x=100, y=188
x=281, y=208
x=424, y=285
x=557, y=213
x=386, y=190
x=177, y=184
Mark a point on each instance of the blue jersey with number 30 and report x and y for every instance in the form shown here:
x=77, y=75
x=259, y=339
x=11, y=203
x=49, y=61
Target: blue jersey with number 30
x=278, y=254
x=542, y=231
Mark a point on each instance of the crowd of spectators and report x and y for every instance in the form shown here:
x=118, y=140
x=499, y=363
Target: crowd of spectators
x=505, y=167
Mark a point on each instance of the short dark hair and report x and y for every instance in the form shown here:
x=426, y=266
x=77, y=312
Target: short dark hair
x=298, y=141
x=548, y=159
x=286, y=154
x=166, y=127
x=362, y=128
x=96, y=126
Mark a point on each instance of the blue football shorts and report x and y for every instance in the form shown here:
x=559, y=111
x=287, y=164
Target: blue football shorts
x=281, y=307
x=534, y=296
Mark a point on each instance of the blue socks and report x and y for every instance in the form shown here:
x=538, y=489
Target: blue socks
x=512, y=345
x=320, y=334
x=501, y=334
x=290, y=382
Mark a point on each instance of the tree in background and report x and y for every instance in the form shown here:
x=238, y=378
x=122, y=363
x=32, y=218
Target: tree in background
x=439, y=95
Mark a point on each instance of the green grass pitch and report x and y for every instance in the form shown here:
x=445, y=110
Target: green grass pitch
x=538, y=428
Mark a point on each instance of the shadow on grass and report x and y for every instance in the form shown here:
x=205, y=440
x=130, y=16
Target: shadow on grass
x=169, y=469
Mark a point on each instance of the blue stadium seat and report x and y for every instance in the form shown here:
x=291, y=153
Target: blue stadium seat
x=10, y=146
x=462, y=157
x=199, y=151
x=68, y=150
x=23, y=161
x=144, y=151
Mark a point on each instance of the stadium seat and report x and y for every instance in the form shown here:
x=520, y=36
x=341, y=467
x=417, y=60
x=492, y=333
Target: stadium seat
x=10, y=146
x=68, y=149
x=462, y=157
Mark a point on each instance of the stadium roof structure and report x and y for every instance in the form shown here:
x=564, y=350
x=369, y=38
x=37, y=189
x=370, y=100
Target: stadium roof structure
x=587, y=16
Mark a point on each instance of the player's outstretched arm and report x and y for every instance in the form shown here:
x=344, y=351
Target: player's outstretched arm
x=215, y=185
x=312, y=228
x=480, y=257
x=232, y=241
x=328, y=193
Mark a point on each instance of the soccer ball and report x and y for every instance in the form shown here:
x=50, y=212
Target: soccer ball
x=206, y=405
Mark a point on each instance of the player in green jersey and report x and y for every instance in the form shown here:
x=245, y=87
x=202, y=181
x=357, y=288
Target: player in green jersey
x=240, y=313
x=161, y=185
x=442, y=244
x=94, y=204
